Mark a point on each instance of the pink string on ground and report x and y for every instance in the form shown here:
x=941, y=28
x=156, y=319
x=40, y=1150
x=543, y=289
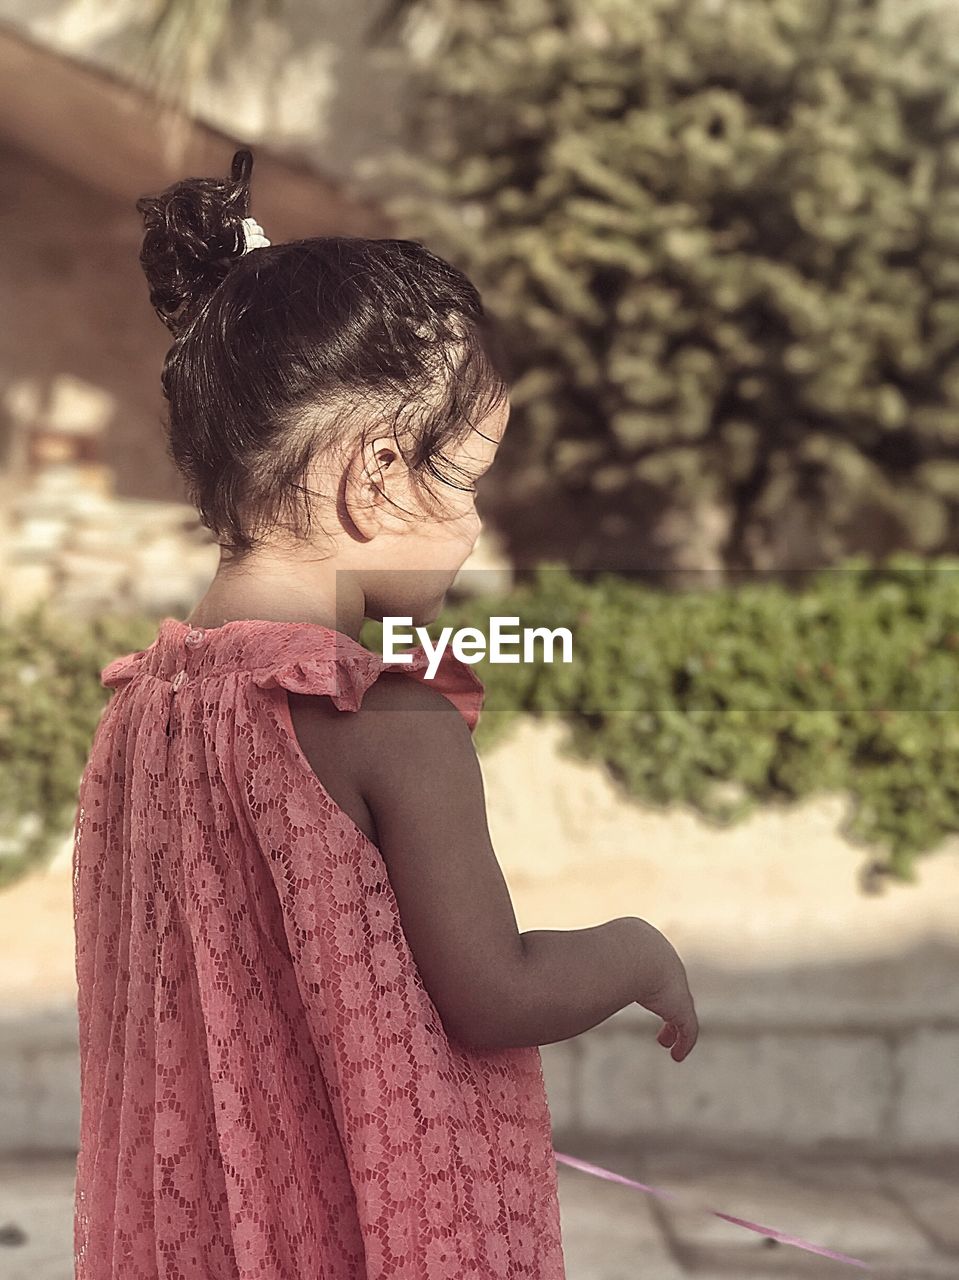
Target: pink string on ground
x=688, y=1201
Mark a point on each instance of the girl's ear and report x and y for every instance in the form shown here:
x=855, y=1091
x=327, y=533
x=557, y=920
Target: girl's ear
x=373, y=484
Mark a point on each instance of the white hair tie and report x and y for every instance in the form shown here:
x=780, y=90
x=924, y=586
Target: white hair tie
x=253, y=236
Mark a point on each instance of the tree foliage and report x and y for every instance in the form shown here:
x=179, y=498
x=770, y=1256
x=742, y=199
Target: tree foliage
x=723, y=237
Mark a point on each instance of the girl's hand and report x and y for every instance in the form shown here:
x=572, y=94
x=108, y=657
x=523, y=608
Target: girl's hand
x=668, y=995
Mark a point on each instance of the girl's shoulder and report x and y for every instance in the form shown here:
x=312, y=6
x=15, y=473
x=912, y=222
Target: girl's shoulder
x=397, y=719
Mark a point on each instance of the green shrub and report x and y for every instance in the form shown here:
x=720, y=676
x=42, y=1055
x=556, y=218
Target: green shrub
x=50, y=701
x=724, y=700
x=720, y=700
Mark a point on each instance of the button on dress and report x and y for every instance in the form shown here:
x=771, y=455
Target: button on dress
x=267, y=1090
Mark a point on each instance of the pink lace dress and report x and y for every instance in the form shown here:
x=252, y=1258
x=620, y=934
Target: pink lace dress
x=267, y=1090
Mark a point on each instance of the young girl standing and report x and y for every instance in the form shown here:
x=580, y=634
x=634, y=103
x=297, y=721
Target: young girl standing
x=309, y=1026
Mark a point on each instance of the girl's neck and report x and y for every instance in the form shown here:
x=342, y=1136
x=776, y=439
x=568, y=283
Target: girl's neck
x=268, y=597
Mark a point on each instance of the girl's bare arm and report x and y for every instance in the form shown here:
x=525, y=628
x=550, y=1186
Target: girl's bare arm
x=493, y=987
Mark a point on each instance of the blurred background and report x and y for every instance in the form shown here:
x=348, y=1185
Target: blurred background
x=721, y=238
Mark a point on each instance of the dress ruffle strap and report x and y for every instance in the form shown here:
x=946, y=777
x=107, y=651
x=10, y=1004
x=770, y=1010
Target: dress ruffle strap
x=121, y=670
x=345, y=675
x=300, y=657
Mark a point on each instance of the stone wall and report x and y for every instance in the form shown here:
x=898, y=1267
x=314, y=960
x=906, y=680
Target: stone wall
x=81, y=550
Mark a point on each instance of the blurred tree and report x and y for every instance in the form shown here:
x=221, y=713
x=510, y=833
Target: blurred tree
x=722, y=236
x=183, y=37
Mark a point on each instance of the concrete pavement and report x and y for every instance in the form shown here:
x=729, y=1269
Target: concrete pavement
x=900, y=1215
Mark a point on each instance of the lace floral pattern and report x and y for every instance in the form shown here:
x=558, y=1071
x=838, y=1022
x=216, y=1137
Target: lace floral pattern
x=267, y=1090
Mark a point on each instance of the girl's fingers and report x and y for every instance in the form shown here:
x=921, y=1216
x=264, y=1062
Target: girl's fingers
x=671, y=1038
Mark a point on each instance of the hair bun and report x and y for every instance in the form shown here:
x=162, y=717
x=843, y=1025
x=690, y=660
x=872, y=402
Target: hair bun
x=193, y=234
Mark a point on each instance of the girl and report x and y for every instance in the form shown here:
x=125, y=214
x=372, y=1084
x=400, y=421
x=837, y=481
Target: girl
x=309, y=1027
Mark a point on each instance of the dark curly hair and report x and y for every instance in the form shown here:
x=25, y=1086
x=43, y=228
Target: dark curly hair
x=295, y=350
